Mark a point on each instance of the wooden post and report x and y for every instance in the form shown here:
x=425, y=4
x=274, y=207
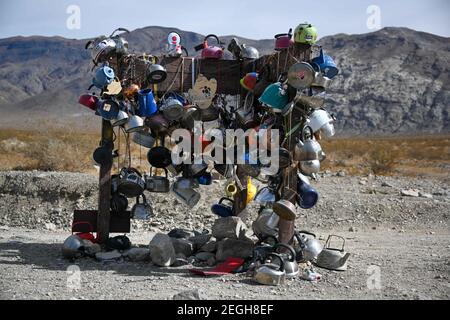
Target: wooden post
x=287, y=228
x=104, y=198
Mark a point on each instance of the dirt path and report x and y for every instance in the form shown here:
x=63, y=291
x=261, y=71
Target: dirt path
x=413, y=265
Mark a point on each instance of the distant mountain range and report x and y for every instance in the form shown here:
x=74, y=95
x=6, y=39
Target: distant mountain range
x=393, y=81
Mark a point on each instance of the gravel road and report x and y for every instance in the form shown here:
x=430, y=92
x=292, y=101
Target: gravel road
x=405, y=239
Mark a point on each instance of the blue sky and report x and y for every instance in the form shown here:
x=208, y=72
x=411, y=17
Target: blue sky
x=253, y=19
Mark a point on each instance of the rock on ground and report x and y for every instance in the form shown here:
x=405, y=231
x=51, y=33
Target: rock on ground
x=162, y=251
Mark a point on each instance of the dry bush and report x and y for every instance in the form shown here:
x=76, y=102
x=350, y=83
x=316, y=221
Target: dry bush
x=382, y=160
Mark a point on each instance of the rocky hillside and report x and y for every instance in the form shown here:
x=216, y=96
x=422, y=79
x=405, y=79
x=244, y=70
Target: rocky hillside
x=394, y=81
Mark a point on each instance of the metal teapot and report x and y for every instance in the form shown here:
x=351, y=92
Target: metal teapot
x=142, y=211
x=290, y=264
x=308, y=149
x=266, y=225
x=309, y=248
x=157, y=184
x=270, y=273
x=222, y=210
x=333, y=259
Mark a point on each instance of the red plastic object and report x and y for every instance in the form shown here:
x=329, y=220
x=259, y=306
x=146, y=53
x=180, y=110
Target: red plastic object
x=230, y=265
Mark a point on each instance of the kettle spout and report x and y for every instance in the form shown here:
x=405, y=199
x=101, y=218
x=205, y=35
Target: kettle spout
x=345, y=258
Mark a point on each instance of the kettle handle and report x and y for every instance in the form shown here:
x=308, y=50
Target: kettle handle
x=285, y=246
x=228, y=199
x=119, y=29
x=213, y=36
x=279, y=257
x=308, y=233
x=305, y=129
x=327, y=244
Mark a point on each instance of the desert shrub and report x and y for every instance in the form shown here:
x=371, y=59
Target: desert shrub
x=382, y=160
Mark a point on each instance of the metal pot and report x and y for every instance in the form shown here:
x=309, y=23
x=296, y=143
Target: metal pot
x=301, y=75
x=333, y=259
x=159, y=157
x=190, y=116
x=188, y=196
x=307, y=196
x=210, y=114
x=266, y=224
x=306, y=102
x=103, y=155
x=158, y=124
x=321, y=82
x=284, y=41
x=119, y=204
x=121, y=119
x=144, y=139
x=309, y=248
x=285, y=209
x=172, y=108
x=103, y=76
x=157, y=184
x=211, y=52
x=246, y=115
x=308, y=149
x=271, y=274
x=310, y=168
x=222, y=210
x=290, y=264
x=88, y=100
x=266, y=196
x=108, y=109
x=156, y=74
x=142, y=211
x=134, y=124
x=147, y=103
x=130, y=184
x=205, y=179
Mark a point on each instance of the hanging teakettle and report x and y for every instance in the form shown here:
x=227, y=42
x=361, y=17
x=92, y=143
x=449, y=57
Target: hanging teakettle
x=121, y=43
x=157, y=184
x=326, y=65
x=142, y=211
x=130, y=184
x=222, y=210
x=103, y=77
x=307, y=196
x=211, y=52
x=284, y=41
x=172, y=107
x=275, y=97
x=308, y=149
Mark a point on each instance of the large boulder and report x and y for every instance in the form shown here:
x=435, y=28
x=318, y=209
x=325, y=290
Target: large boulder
x=162, y=251
x=183, y=246
x=231, y=248
x=228, y=228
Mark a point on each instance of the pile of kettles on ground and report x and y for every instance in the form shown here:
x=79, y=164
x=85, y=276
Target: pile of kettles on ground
x=294, y=105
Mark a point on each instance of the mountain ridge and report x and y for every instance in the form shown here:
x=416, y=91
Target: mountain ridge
x=392, y=81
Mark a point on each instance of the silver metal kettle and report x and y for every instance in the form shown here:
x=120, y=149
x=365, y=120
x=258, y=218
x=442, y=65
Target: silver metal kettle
x=270, y=273
x=290, y=264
